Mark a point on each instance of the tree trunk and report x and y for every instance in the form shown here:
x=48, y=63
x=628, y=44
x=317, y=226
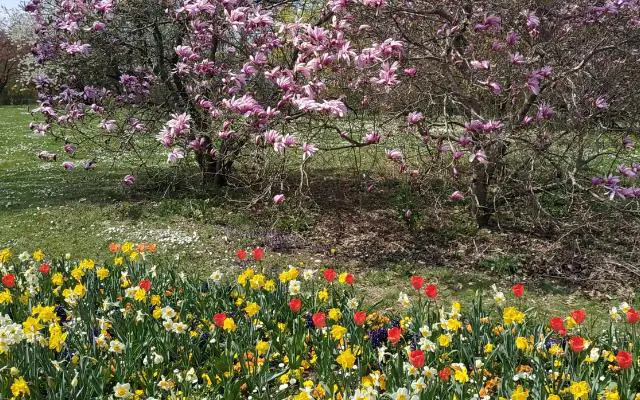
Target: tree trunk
x=480, y=185
x=216, y=167
x=484, y=177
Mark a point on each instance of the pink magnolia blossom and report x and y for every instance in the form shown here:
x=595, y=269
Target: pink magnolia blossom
x=395, y=155
x=414, y=117
x=289, y=140
x=480, y=157
x=497, y=45
x=465, y=141
x=76, y=48
x=108, y=125
x=516, y=58
x=476, y=64
x=533, y=22
x=278, y=199
x=512, y=38
x=410, y=71
x=601, y=103
x=527, y=120
x=175, y=156
x=387, y=75
x=545, y=112
x=98, y=26
x=129, y=180
x=308, y=150
x=69, y=148
x=197, y=144
x=371, y=138
x=490, y=23
x=40, y=128
x=495, y=87
x=271, y=136
x=457, y=196
x=104, y=6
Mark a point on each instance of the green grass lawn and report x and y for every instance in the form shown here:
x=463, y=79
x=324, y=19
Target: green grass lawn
x=80, y=212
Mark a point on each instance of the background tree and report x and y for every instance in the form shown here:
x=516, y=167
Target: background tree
x=230, y=74
x=514, y=99
x=538, y=96
x=16, y=38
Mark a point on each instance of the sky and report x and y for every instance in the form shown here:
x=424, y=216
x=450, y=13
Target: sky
x=9, y=4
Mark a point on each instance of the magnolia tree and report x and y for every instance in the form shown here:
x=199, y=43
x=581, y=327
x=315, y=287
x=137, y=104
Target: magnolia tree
x=513, y=97
x=15, y=35
x=520, y=97
x=207, y=78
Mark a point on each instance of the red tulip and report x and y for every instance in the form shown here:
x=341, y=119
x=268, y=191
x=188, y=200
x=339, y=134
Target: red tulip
x=241, y=254
x=445, y=373
x=633, y=315
x=518, y=289
x=416, y=358
x=44, y=268
x=219, y=318
x=258, y=253
x=9, y=280
x=624, y=359
x=329, y=274
x=394, y=334
x=295, y=305
x=578, y=316
x=319, y=320
x=431, y=291
x=557, y=324
x=577, y=344
x=349, y=279
x=145, y=284
x=360, y=318
x=417, y=282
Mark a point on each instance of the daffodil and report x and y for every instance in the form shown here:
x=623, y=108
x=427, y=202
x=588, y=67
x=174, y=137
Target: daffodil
x=19, y=388
x=346, y=359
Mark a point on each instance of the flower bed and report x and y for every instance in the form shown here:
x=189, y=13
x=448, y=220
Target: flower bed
x=125, y=328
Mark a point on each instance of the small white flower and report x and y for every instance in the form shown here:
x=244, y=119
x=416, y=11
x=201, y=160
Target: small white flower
x=624, y=306
x=425, y=331
x=307, y=274
x=352, y=303
x=216, y=276
x=294, y=287
x=613, y=313
x=594, y=354
x=403, y=299
x=418, y=385
x=157, y=358
x=180, y=327
x=168, y=313
x=191, y=376
x=122, y=390
x=116, y=346
x=429, y=373
x=382, y=353
x=401, y=394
